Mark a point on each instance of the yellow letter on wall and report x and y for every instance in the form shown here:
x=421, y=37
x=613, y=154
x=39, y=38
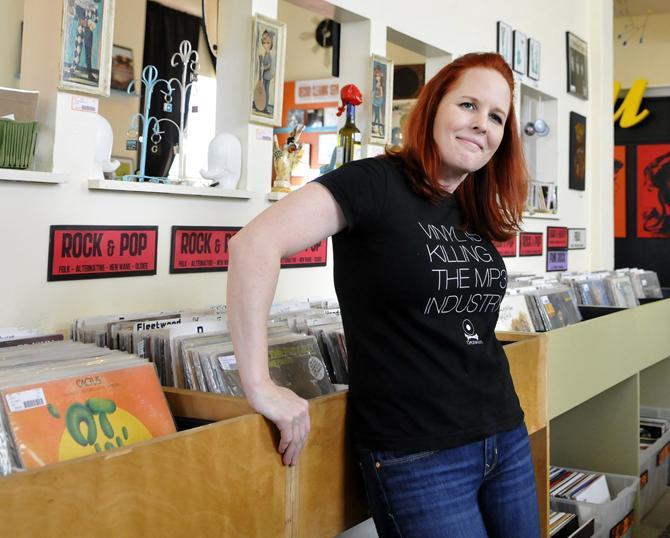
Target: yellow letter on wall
x=629, y=109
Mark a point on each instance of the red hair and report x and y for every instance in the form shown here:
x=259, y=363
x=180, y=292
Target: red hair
x=491, y=199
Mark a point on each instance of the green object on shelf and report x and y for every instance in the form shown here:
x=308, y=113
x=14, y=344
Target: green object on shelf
x=17, y=143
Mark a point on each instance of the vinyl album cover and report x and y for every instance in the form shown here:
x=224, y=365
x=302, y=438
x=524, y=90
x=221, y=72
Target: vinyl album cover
x=514, y=314
x=295, y=362
x=81, y=415
x=653, y=190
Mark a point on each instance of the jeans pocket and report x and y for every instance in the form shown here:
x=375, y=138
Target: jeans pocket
x=398, y=457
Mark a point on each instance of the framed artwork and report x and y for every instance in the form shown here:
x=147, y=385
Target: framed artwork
x=381, y=99
x=86, y=46
x=520, y=58
x=268, y=47
x=126, y=167
x=653, y=202
x=123, y=68
x=577, y=66
x=534, y=50
x=619, y=191
x=577, y=152
x=504, y=42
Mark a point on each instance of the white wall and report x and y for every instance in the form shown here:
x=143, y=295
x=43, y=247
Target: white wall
x=27, y=211
x=10, y=39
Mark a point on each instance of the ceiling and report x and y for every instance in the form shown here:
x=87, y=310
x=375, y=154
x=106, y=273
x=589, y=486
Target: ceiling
x=624, y=8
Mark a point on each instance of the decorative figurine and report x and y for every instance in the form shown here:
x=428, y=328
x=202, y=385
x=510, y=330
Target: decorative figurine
x=284, y=159
x=104, y=138
x=224, y=161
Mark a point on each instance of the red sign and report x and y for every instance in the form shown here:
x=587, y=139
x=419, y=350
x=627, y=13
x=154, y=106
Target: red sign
x=81, y=252
x=198, y=249
x=507, y=249
x=557, y=237
x=530, y=244
x=314, y=256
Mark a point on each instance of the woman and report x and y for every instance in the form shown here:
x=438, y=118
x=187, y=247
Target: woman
x=432, y=409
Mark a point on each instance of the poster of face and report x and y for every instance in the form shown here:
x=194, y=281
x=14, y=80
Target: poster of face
x=86, y=46
x=577, y=66
x=381, y=99
x=653, y=190
x=619, y=191
x=577, y=151
x=267, y=70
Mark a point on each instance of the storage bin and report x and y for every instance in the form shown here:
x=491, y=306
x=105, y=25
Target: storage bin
x=654, y=464
x=617, y=512
x=17, y=143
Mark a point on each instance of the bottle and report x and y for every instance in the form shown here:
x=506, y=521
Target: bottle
x=349, y=138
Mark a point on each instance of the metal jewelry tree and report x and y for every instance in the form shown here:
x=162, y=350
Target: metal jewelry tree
x=188, y=58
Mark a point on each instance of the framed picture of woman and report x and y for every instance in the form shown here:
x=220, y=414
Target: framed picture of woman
x=381, y=99
x=268, y=48
x=86, y=46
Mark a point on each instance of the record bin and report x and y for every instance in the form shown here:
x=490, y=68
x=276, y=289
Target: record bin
x=609, y=515
x=654, y=464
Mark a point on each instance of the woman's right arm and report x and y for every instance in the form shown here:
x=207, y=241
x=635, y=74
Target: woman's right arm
x=296, y=222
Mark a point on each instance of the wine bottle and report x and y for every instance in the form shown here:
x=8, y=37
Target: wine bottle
x=349, y=138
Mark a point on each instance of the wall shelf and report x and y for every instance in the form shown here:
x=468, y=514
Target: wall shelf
x=540, y=216
x=276, y=196
x=31, y=176
x=159, y=188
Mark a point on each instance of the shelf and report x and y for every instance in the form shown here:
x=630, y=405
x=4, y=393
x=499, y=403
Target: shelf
x=31, y=176
x=540, y=216
x=159, y=188
x=276, y=196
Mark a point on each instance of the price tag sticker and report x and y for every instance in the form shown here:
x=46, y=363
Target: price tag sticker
x=26, y=399
x=228, y=362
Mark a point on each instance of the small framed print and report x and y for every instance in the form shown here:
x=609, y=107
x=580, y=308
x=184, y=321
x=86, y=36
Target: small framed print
x=504, y=41
x=557, y=260
x=267, y=70
x=577, y=53
x=534, y=50
x=520, y=58
x=577, y=168
x=381, y=99
x=576, y=238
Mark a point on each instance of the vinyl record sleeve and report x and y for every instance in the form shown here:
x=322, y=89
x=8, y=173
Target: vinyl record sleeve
x=80, y=415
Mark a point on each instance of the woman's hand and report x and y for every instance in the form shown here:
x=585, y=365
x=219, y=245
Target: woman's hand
x=289, y=412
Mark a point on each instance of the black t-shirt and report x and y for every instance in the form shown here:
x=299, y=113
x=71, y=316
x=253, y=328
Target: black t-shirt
x=419, y=298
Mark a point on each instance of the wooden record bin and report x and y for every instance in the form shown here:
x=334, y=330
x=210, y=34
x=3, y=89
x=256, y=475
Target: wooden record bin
x=226, y=478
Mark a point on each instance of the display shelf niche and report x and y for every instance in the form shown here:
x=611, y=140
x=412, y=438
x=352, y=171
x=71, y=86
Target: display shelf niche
x=159, y=188
x=31, y=176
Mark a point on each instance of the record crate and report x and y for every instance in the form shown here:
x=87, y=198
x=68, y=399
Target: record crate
x=613, y=518
x=225, y=478
x=654, y=464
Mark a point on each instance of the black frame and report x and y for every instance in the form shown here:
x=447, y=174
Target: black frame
x=577, y=183
x=581, y=91
x=173, y=234
x=530, y=255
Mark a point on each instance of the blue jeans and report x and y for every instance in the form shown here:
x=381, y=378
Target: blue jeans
x=481, y=489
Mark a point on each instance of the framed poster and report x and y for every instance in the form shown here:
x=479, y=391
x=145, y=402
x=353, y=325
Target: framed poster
x=653, y=196
x=576, y=51
x=507, y=249
x=557, y=260
x=576, y=238
x=620, y=191
x=577, y=152
x=381, y=99
x=520, y=58
x=534, y=50
x=268, y=46
x=557, y=237
x=123, y=68
x=530, y=244
x=86, y=46
x=504, y=42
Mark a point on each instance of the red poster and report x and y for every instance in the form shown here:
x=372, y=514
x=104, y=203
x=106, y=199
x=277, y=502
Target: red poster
x=653, y=190
x=81, y=252
x=530, y=244
x=619, y=191
x=507, y=249
x=200, y=249
x=314, y=256
x=557, y=237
